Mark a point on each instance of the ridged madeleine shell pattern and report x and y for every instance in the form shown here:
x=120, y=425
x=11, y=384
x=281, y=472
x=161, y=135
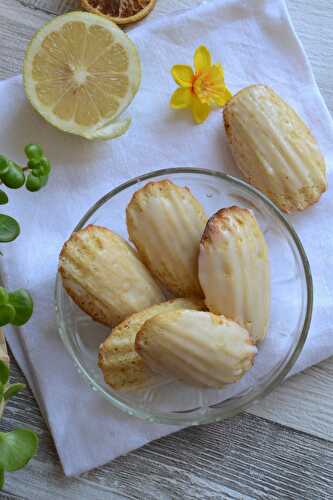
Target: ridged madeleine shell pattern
x=103, y=275
x=165, y=222
x=234, y=269
x=274, y=149
x=122, y=367
x=196, y=347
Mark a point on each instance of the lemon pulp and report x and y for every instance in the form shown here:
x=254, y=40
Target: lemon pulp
x=81, y=71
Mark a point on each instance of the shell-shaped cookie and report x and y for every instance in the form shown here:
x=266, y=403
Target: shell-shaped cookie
x=122, y=367
x=196, y=347
x=234, y=269
x=104, y=276
x=274, y=149
x=165, y=222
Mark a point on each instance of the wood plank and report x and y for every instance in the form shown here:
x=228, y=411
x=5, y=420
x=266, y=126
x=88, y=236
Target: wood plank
x=304, y=402
x=3, y=348
x=17, y=25
x=313, y=23
x=54, y=7
x=168, y=467
x=243, y=458
x=3, y=357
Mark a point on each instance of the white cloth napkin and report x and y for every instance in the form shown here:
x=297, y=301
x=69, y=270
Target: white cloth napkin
x=255, y=42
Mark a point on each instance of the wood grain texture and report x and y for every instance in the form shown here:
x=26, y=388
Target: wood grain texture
x=3, y=357
x=246, y=457
x=243, y=458
x=3, y=348
x=313, y=21
x=304, y=402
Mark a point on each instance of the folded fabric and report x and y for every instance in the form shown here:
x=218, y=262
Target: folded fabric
x=255, y=42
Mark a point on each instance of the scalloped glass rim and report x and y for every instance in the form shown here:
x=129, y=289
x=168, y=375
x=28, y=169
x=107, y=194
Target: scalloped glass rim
x=228, y=407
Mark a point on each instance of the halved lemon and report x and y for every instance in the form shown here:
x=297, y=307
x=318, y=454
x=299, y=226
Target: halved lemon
x=80, y=73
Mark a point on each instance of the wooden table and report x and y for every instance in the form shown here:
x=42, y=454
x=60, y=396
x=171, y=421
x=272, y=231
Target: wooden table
x=281, y=448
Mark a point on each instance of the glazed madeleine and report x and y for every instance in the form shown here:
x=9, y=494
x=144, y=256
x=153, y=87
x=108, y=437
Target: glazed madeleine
x=104, y=276
x=196, y=347
x=234, y=269
x=165, y=222
x=122, y=367
x=274, y=149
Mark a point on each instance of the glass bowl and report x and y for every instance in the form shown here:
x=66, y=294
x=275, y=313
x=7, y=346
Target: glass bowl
x=166, y=400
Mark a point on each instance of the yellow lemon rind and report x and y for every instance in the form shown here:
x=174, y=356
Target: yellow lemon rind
x=111, y=131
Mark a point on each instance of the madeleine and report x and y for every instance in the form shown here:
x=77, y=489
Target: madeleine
x=104, y=276
x=274, y=149
x=122, y=367
x=165, y=222
x=196, y=347
x=234, y=270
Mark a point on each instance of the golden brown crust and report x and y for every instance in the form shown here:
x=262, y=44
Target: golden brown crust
x=81, y=297
x=85, y=4
x=221, y=218
x=104, y=277
x=122, y=367
x=138, y=340
x=85, y=301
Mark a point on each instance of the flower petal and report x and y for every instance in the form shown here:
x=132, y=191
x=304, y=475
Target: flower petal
x=202, y=59
x=182, y=74
x=181, y=98
x=223, y=98
x=217, y=72
x=210, y=88
x=200, y=111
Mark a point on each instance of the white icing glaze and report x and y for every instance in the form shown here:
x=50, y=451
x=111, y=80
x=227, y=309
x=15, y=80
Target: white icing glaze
x=166, y=223
x=197, y=347
x=234, y=270
x=274, y=149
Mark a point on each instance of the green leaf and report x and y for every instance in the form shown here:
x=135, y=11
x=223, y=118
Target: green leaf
x=2, y=478
x=2, y=391
x=22, y=302
x=34, y=163
x=46, y=165
x=3, y=197
x=4, y=165
x=14, y=178
x=33, y=151
x=3, y=296
x=34, y=183
x=38, y=172
x=13, y=390
x=4, y=372
x=9, y=228
x=7, y=314
x=17, y=448
x=44, y=179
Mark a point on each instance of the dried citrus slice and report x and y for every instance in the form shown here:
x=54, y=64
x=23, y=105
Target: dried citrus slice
x=120, y=11
x=80, y=72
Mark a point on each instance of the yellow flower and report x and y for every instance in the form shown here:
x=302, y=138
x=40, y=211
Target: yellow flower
x=202, y=89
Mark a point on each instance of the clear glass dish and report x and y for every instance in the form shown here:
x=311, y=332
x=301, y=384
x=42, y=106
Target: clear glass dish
x=169, y=401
